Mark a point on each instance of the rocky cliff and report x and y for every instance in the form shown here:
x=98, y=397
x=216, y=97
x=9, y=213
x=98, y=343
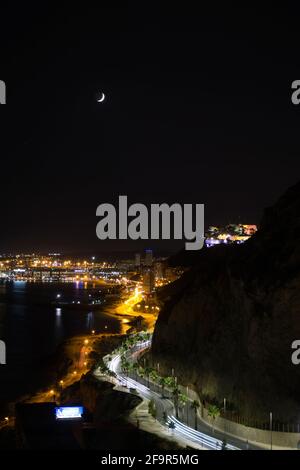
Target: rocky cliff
x=228, y=324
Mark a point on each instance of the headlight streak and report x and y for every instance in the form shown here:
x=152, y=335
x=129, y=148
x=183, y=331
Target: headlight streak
x=180, y=429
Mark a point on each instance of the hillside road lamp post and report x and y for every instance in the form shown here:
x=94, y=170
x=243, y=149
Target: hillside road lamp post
x=195, y=405
x=183, y=399
x=187, y=405
x=271, y=430
x=224, y=417
x=176, y=400
x=163, y=383
x=147, y=373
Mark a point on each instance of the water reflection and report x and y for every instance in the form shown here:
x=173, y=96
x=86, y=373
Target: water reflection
x=90, y=321
x=58, y=326
x=32, y=327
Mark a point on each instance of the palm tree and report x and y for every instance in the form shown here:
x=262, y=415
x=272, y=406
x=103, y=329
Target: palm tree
x=195, y=405
x=148, y=370
x=152, y=408
x=162, y=383
x=130, y=368
x=135, y=367
x=182, y=401
x=175, y=393
x=170, y=382
x=141, y=371
x=153, y=375
x=213, y=412
x=123, y=359
x=125, y=366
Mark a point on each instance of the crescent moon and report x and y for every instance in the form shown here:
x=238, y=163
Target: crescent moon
x=102, y=98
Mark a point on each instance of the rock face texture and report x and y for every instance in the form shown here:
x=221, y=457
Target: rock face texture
x=227, y=326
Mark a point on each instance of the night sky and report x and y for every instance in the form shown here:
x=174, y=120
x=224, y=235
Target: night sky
x=198, y=110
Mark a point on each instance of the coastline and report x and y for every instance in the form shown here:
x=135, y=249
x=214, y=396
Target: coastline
x=73, y=358
x=69, y=370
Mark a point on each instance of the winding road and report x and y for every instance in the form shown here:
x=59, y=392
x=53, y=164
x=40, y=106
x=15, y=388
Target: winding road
x=203, y=437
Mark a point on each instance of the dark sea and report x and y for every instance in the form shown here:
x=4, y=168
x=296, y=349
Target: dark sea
x=32, y=327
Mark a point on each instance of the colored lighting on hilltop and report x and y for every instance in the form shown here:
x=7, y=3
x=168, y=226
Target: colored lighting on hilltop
x=233, y=233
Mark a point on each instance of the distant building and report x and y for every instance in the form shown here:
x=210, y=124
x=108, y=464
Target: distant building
x=159, y=270
x=250, y=229
x=231, y=233
x=137, y=260
x=148, y=257
x=148, y=281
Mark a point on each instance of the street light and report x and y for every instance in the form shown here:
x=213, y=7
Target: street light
x=271, y=428
x=187, y=405
x=224, y=417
